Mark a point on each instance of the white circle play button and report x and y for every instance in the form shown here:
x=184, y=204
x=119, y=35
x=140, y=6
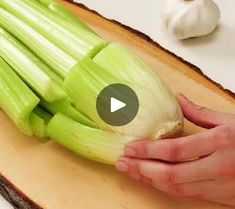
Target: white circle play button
x=117, y=104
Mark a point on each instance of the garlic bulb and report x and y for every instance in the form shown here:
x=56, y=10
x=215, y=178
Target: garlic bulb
x=190, y=18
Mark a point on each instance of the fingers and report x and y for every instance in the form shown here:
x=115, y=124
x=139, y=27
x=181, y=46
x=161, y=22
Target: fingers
x=209, y=190
x=133, y=171
x=180, y=149
x=168, y=178
x=198, y=190
x=140, y=178
x=176, y=174
x=202, y=116
x=164, y=173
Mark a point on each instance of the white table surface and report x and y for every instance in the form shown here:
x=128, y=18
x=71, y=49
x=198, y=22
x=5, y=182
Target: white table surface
x=4, y=204
x=214, y=54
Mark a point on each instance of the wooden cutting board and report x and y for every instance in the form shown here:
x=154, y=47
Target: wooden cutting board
x=55, y=178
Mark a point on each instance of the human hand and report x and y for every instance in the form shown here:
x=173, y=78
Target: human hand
x=168, y=164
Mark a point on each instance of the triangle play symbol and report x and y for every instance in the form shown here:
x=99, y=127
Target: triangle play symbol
x=116, y=105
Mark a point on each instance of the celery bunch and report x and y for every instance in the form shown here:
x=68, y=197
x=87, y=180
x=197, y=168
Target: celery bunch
x=52, y=69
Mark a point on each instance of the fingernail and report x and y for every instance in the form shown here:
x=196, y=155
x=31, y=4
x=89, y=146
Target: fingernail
x=129, y=152
x=122, y=166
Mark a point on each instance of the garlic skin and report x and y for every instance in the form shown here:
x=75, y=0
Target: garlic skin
x=190, y=18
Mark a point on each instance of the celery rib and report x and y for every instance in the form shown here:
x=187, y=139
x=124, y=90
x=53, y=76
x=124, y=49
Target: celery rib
x=43, y=114
x=77, y=42
x=66, y=14
x=83, y=85
x=38, y=121
x=29, y=67
x=65, y=107
x=16, y=99
x=52, y=55
x=94, y=144
x=45, y=2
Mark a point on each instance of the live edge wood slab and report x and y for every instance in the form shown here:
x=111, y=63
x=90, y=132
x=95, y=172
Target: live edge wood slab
x=36, y=174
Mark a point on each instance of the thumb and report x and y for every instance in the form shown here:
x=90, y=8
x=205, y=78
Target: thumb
x=203, y=116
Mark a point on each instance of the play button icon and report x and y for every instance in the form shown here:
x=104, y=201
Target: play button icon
x=117, y=104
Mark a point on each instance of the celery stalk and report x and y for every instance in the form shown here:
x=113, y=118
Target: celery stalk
x=38, y=121
x=65, y=107
x=29, y=67
x=83, y=85
x=116, y=64
x=16, y=99
x=43, y=114
x=94, y=144
x=45, y=2
x=77, y=42
x=92, y=65
x=66, y=14
x=52, y=55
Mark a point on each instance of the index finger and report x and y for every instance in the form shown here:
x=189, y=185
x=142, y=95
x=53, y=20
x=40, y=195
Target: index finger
x=180, y=149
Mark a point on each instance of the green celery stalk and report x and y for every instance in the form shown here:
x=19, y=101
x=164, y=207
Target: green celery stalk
x=83, y=85
x=30, y=68
x=43, y=114
x=65, y=13
x=94, y=144
x=39, y=119
x=45, y=2
x=65, y=107
x=158, y=112
x=77, y=42
x=52, y=55
x=97, y=65
x=16, y=99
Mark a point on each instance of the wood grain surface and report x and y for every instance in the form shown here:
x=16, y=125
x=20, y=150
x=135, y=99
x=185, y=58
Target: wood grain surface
x=55, y=178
